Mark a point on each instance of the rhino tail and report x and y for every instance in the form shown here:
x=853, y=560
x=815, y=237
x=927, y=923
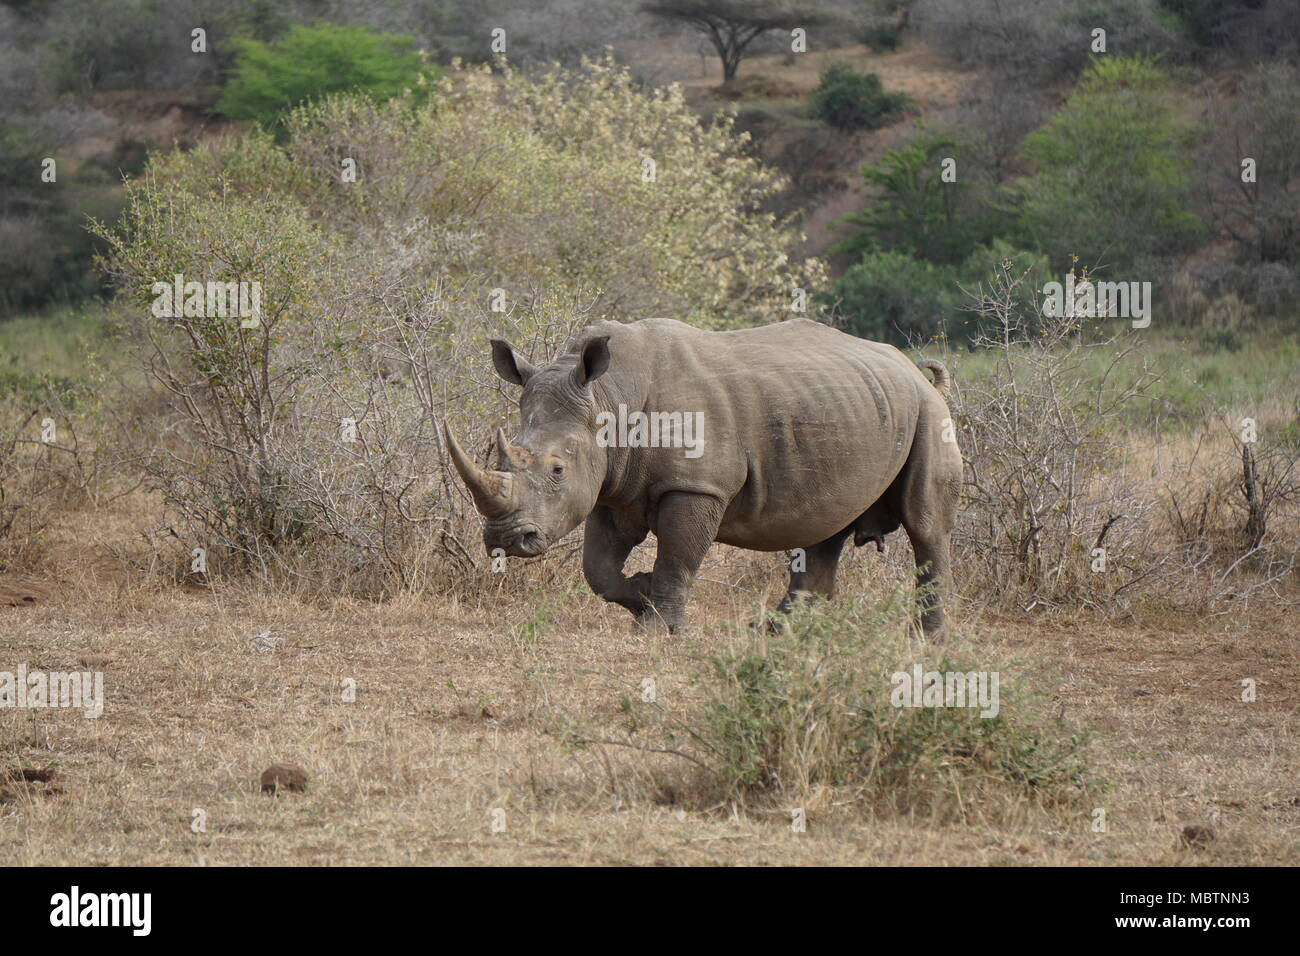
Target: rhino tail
x=942, y=380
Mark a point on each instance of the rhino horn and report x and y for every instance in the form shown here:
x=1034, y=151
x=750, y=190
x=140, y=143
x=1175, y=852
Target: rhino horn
x=511, y=457
x=492, y=491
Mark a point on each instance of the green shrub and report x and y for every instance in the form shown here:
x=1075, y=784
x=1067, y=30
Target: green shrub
x=1111, y=179
x=881, y=34
x=913, y=210
x=898, y=298
x=46, y=255
x=1222, y=340
x=981, y=263
x=851, y=100
x=882, y=29
x=311, y=61
x=813, y=704
x=895, y=297
x=986, y=265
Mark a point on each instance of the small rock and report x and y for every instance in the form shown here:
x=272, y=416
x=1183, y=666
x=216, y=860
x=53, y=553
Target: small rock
x=1196, y=837
x=280, y=776
x=44, y=782
x=32, y=775
x=488, y=712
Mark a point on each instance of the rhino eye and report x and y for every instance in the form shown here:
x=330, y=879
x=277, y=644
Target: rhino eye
x=557, y=470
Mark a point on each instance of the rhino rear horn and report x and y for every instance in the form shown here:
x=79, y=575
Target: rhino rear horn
x=511, y=457
x=492, y=491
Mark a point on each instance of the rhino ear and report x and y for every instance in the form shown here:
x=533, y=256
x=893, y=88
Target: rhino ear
x=509, y=364
x=593, y=362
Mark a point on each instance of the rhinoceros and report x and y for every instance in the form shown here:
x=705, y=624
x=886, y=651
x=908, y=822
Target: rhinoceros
x=782, y=437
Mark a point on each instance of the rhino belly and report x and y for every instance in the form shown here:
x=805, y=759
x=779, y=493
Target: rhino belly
x=797, y=503
x=795, y=524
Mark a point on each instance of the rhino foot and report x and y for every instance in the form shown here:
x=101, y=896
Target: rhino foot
x=632, y=593
x=775, y=623
x=639, y=585
x=651, y=621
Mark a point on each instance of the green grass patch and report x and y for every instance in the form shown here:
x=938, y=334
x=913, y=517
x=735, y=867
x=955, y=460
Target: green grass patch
x=65, y=350
x=1196, y=374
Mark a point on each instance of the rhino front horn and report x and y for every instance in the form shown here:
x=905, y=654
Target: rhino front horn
x=491, y=490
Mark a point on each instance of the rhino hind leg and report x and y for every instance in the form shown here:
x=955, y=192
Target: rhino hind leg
x=934, y=578
x=926, y=496
x=821, y=561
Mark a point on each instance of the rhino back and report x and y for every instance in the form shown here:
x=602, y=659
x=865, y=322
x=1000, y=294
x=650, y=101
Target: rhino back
x=804, y=427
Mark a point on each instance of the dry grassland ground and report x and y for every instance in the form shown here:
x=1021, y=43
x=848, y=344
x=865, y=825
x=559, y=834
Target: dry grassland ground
x=453, y=701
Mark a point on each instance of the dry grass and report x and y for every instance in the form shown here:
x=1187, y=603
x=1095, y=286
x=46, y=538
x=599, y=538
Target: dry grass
x=452, y=701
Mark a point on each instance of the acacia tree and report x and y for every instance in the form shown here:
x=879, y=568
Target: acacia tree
x=732, y=25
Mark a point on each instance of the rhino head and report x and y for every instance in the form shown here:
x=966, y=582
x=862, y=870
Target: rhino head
x=547, y=484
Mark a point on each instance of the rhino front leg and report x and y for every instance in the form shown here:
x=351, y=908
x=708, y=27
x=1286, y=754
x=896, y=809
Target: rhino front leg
x=607, y=540
x=687, y=525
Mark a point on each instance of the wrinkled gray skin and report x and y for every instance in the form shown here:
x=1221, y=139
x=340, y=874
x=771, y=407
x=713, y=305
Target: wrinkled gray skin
x=811, y=436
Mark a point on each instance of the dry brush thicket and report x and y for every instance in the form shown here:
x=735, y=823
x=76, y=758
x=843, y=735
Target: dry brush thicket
x=1077, y=495
x=391, y=241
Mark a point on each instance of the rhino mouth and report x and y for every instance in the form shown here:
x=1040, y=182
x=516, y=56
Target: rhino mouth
x=525, y=541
